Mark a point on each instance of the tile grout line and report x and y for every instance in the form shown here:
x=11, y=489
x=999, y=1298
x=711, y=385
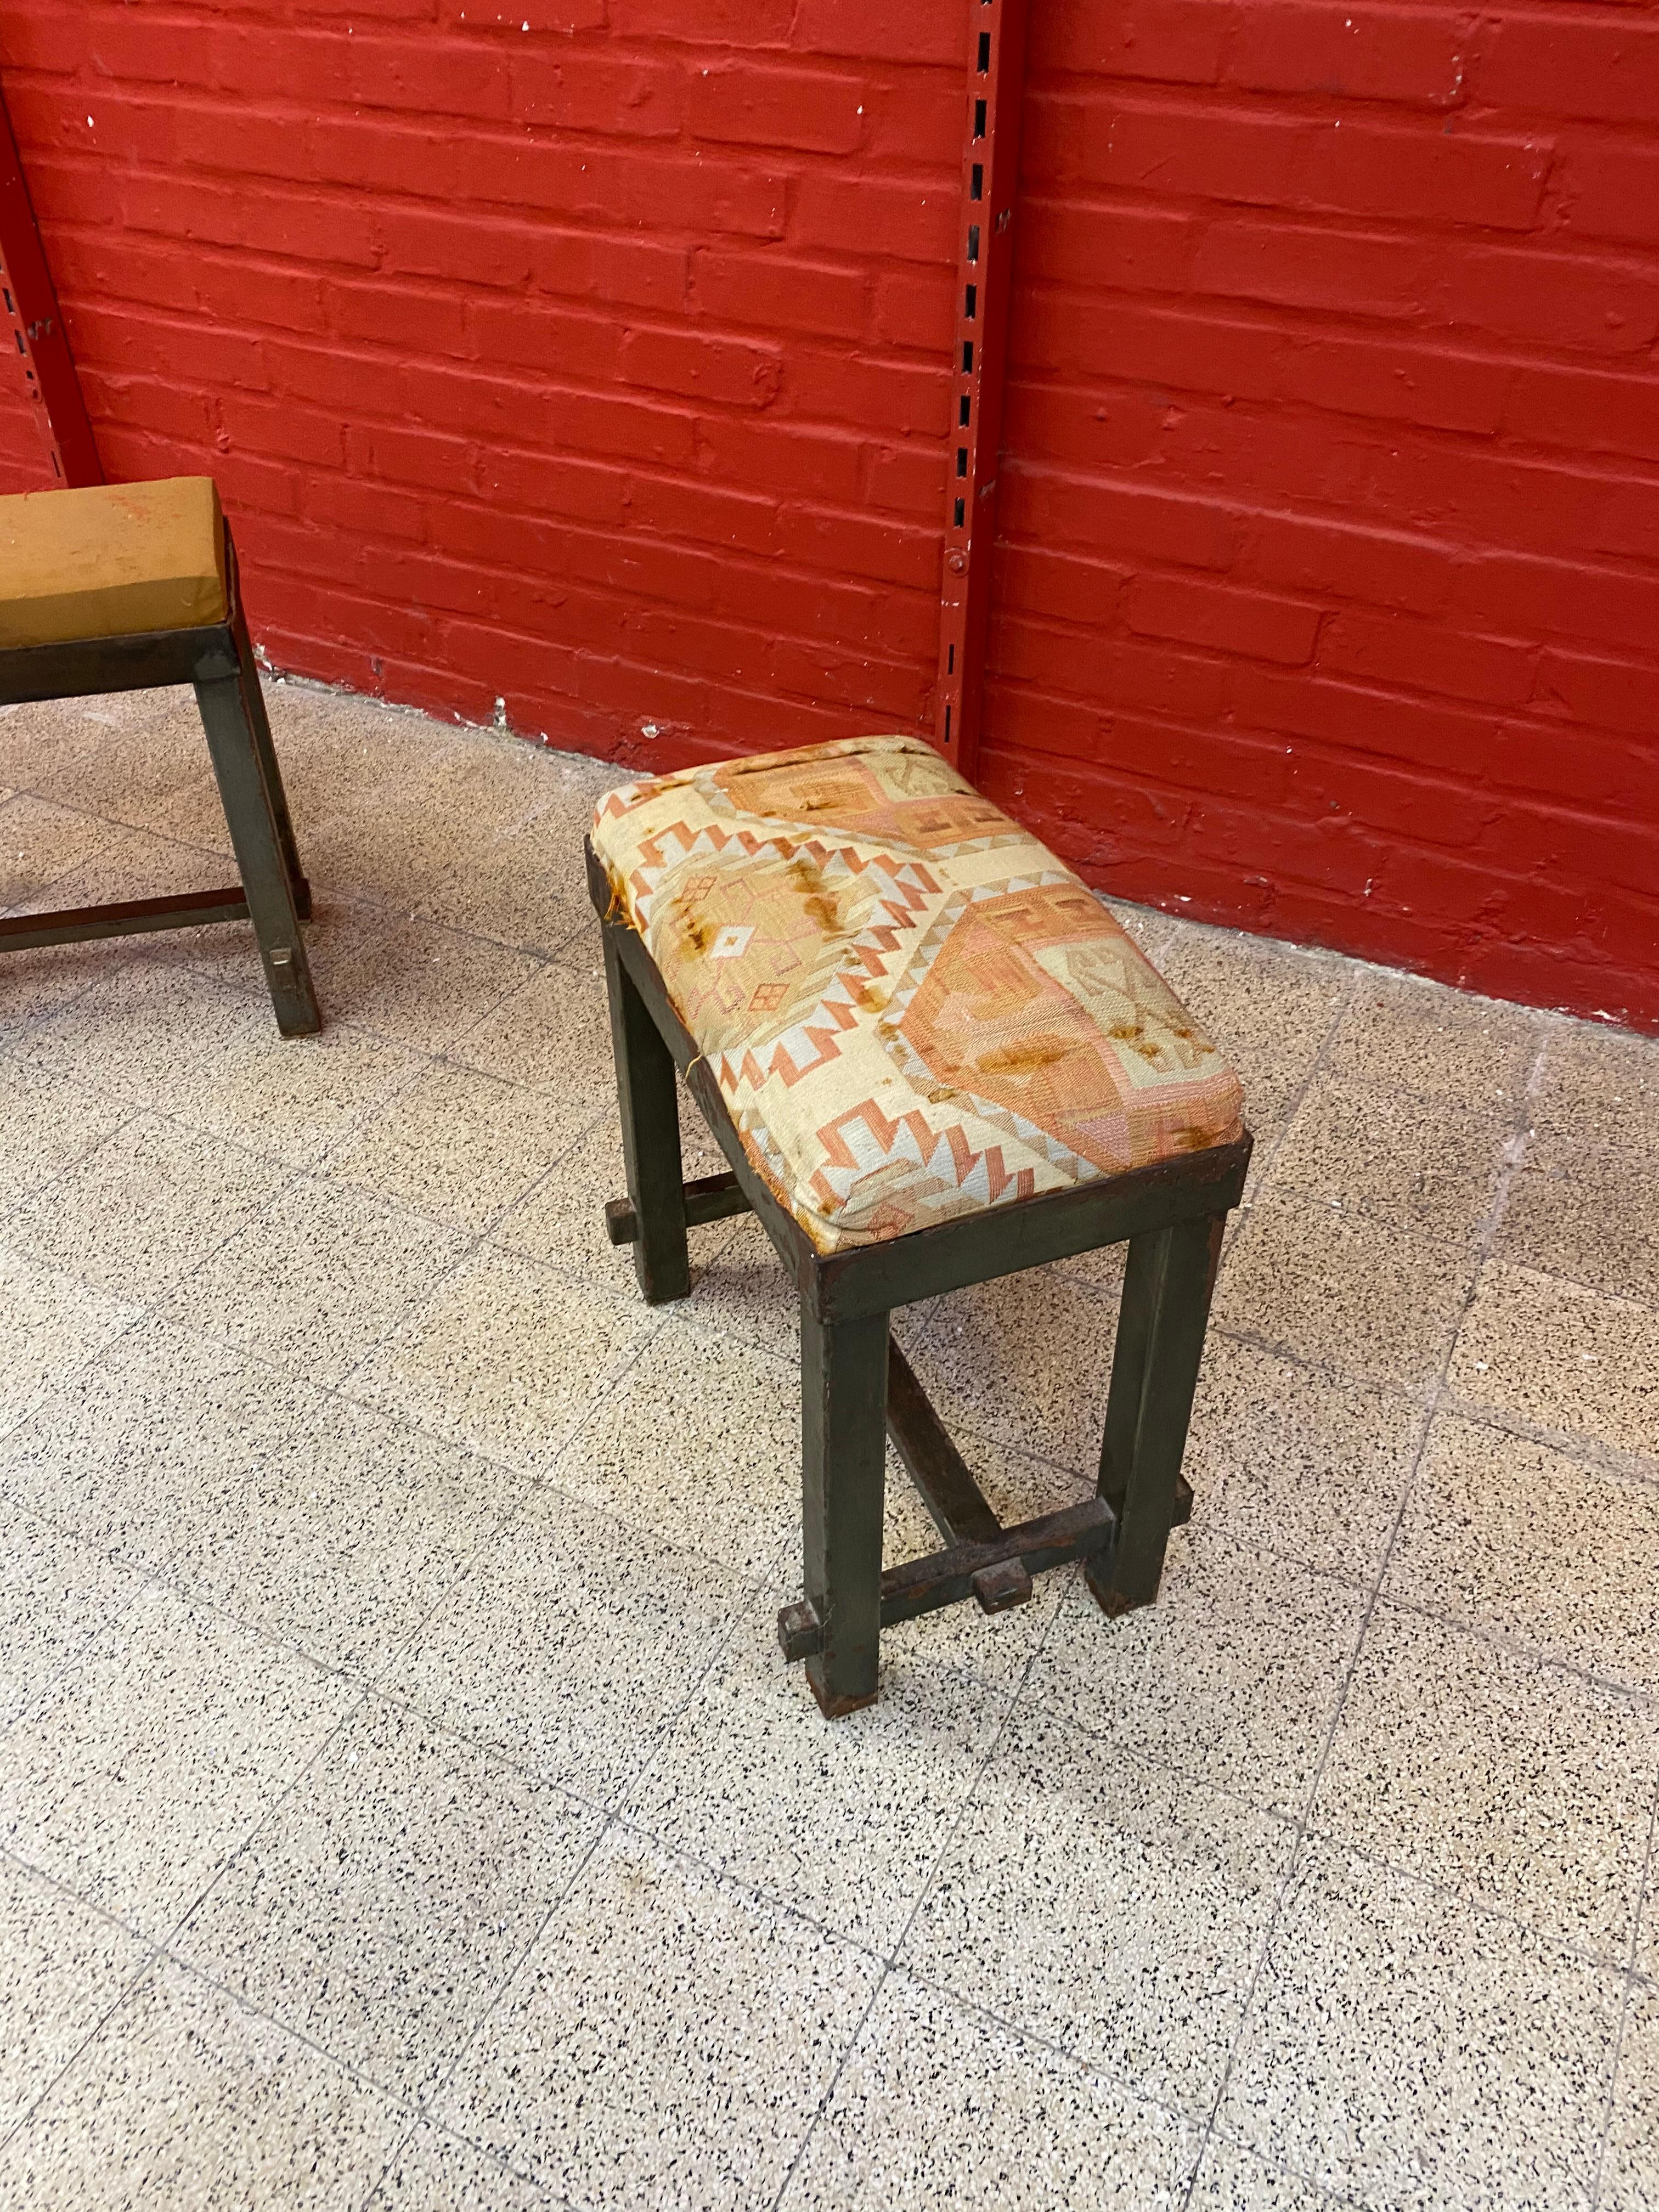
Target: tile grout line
x=890, y=1959
x=1317, y=1067
x=1650, y=1858
x=164, y=1948
x=1305, y=1830
x=27, y=2117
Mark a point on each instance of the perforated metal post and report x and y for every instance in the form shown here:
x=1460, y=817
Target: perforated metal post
x=37, y=329
x=996, y=80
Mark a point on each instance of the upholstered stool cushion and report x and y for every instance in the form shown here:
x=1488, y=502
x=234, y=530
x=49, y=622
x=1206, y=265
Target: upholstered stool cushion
x=912, y=1009
x=111, y=560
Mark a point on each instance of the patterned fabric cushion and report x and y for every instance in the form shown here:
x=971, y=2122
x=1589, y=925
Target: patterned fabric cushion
x=912, y=1009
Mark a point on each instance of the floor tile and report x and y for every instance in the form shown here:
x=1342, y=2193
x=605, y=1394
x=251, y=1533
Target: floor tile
x=1232, y=1676
x=421, y=984
x=295, y=1097
x=39, y=984
x=1116, y=1908
x=1024, y=1359
x=1585, y=1211
x=41, y=843
x=63, y=1967
x=341, y=753
x=418, y=1529
x=55, y=1595
x=1403, y=1033
x=552, y=1034
x=1281, y=1456
x=742, y=1291
x=392, y=839
x=132, y=864
x=432, y=2171
x=46, y=1123
x=49, y=1326
x=1527, y=1788
x=228, y=953
x=347, y=1533
x=1368, y=1299
x=1417, y=2053
x=185, y=2099
x=1598, y=1086
x=1150, y=929
x=562, y=1219
x=702, y=1448
x=318, y=1278
x=1630, y=2176
x=381, y=1907
x=506, y=1357
x=126, y=756
x=937, y=2109
x=457, y=1145
x=1269, y=1007
x=572, y=1645
x=144, y=1206
x=1519, y=1540
x=152, y=1756
x=1430, y=1164
x=527, y=887
x=138, y=1027
x=158, y=1437
x=845, y=1821
x=35, y=735
x=1561, y=1358
x=1232, y=2180
x=667, y=2043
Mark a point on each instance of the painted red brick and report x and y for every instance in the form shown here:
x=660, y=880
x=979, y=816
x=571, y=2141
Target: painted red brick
x=811, y=112
x=604, y=368
x=1352, y=52
x=1201, y=612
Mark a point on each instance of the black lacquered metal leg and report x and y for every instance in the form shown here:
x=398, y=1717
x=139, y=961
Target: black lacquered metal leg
x=1160, y=1341
x=650, y=1107
x=254, y=703
x=843, y=1372
x=257, y=837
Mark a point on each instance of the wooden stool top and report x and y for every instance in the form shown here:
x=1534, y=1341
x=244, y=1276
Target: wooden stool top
x=111, y=560
x=912, y=1010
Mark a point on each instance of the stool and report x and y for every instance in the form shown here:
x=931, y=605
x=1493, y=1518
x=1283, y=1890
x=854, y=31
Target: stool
x=931, y=1057
x=121, y=587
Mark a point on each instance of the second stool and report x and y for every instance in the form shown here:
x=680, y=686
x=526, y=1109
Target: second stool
x=119, y=587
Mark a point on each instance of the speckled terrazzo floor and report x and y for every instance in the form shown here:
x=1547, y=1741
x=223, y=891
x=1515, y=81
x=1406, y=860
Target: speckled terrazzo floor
x=402, y=1802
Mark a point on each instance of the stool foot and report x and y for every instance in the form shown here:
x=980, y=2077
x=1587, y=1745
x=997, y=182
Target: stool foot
x=1112, y=1602
x=835, y=1708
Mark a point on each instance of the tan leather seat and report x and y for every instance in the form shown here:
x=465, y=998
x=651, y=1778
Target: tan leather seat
x=111, y=560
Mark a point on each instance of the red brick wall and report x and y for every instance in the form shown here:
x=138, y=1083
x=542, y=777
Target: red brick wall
x=600, y=367
x=1330, y=598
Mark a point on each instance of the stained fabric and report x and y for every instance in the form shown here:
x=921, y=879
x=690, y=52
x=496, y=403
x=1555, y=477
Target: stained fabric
x=912, y=1009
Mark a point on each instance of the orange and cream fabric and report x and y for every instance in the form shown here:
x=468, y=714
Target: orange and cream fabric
x=912, y=1009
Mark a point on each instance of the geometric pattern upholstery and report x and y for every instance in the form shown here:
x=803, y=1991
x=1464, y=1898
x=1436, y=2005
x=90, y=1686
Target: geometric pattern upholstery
x=913, y=1010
